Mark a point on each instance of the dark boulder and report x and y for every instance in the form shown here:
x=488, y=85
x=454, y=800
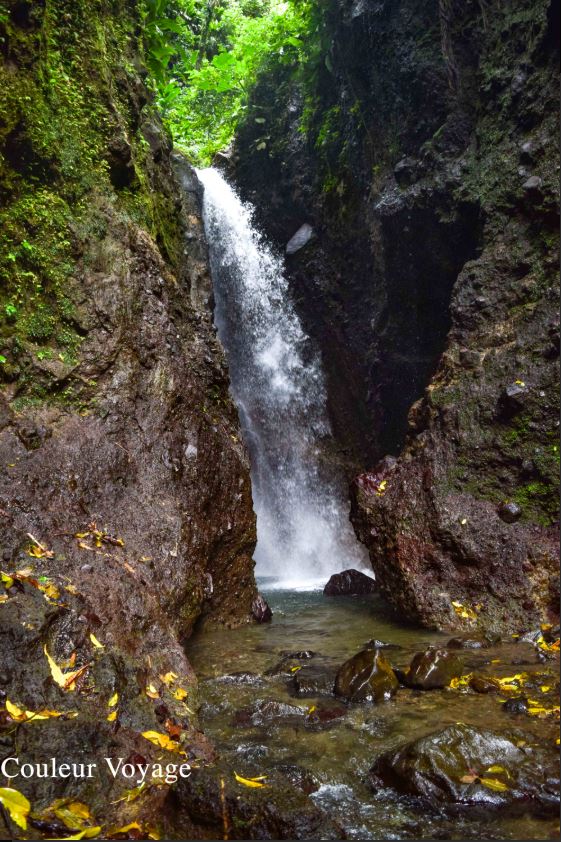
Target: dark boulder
x=465, y=766
x=260, y=610
x=349, y=583
x=315, y=680
x=509, y=512
x=433, y=669
x=468, y=641
x=367, y=677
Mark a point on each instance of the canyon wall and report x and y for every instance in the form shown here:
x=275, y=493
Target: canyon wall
x=125, y=498
x=421, y=148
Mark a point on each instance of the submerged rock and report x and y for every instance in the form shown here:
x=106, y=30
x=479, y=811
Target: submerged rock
x=463, y=765
x=349, y=583
x=315, y=680
x=367, y=677
x=433, y=669
x=267, y=710
x=468, y=641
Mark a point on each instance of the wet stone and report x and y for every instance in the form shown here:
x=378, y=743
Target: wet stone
x=312, y=681
x=349, y=583
x=452, y=765
x=509, y=512
x=367, y=677
x=433, y=669
x=468, y=642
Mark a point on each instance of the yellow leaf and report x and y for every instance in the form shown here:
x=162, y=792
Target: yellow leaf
x=151, y=692
x=7, y=581
x=494, y=784
x=112, y=716
x=112, y=831
x=71, y=589
x=88, y=833
x=295, y=669
x=96, y=642
x=16, y=804
x=113, y=700
x=163, y=741
x=28, y=715
x=468, y=779
x=545, y=688
x=132, y=794
x=168, y=678
x=74, y=814
x=251, y=782
x=497, y=769
x=312, y=709
x=65, y=680
x=180, y=694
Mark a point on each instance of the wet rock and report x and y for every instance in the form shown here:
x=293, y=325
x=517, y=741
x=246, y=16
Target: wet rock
x=300, y=655
x=367, y=676
x=302, y=237
x=468, y=642
x=265, y=711
x=260, y=610
x=250, y=679
x=514, y=398
x=312, y=681
x=349, y=583
x=448, y=766
x=433, y=669
x=509, y=512
x=323, y=714
x=281, y=810
x=380, y=644
x=532, y=186
x=516, y=706
x=405, y=171
x=302, y=778
x=484, y=684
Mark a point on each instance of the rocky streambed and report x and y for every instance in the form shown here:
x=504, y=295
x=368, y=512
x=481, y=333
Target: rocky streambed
x=474, y=756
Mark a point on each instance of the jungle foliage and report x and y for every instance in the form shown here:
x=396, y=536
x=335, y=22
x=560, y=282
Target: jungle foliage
x=204, y=57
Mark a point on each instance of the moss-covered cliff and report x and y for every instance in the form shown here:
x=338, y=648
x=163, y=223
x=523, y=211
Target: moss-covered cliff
x=423, y=150
x=125, y=499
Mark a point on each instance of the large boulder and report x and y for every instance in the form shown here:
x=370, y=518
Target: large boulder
x=349, y=583
x=433, y=669
x=463, y=765
x=367, y=677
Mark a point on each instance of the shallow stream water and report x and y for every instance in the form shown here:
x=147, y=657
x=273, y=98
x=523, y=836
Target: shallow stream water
x=232, y=667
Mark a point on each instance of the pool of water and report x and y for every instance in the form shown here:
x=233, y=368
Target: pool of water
x=339, y=754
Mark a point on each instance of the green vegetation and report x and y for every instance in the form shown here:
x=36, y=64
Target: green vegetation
x=206, y=55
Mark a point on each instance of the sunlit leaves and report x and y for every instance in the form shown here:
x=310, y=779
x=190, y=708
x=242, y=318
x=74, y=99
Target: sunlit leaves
x=163, y=741
x=65, y=680
x=254, y=783
x=16, y=804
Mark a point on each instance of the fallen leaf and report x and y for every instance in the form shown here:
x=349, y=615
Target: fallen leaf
x=163, y=741
x=151, y=692
x=468, y=779
x=113, y=831
x=180, y=694
x=16, y=804
x=494, y=784
x=74, y=814
x=496, y=769
x=251, y=782
x=168, y=678
x=96, y=642
x=112, y=716
x=113, y=700
x=88, y=833
x=7, y=581
x=21, y=715
x=132, y=794
x=65, y=680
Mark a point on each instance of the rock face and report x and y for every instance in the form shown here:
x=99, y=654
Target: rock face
x=115, y=419
x=349, y=583
x=428, y=174
x=433, y=669
x=461, y=765
x=366, y=677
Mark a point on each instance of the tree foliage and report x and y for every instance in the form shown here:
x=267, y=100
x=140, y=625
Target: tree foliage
x=205, y=56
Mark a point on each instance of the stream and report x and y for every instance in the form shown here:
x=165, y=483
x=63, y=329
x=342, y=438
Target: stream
x=232, y=667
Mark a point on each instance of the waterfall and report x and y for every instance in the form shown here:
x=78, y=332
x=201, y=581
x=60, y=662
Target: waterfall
x=303, y=530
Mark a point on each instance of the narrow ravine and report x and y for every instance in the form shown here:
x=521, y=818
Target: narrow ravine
x=303, y=529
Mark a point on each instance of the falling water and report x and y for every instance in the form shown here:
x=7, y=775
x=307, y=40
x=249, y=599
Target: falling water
x=303, y=530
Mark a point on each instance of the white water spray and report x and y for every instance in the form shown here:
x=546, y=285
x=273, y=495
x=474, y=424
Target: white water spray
x=303, y=530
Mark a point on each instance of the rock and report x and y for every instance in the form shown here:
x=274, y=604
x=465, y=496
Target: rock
x=516, y=706
x=260, y=610
x=301, y=655
x=312, y=681
x=349, y=583
x=514, y=397
x=367, y=677
x=267, y=710
x=302, y=237
x=433, y=669
x=405, y=171
x=509, y=511
x=484, y=684
x=447, y=767
x=468, y=642
x=533, y=184
x=380, y=644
